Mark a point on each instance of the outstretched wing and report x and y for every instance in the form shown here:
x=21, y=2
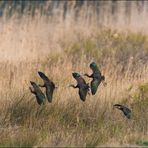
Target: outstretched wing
x=43, y=76
x=40, y=99
x=38, y=93
x=98, y=72
x=49, y=92
x=94, y=85
x=82, y=94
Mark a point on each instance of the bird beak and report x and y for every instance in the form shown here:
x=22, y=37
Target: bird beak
x=114, y=106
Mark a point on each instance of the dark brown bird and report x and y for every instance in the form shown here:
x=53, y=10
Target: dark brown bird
x=126, y=111
x=40, y=97
x=96, y=76
x=49, y=85
x=82, y=85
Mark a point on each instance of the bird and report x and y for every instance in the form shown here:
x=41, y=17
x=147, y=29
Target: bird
x=82, y=85
x=40, y=97
x=49, y=85
x=96, y=76
x=126, y=111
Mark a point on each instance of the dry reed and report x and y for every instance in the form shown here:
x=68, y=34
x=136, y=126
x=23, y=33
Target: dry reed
x=59, y=48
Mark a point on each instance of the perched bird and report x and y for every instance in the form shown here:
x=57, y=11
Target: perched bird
x=97, y=78
x=82, y=85
x=49, y=85
x=37, y=92
x=126, y=111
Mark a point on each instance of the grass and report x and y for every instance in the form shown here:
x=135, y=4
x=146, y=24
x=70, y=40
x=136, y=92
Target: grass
x=72, y=123
x=58, y=50
x=142, y=143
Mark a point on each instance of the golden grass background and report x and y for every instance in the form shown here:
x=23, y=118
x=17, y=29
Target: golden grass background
x=59, y=47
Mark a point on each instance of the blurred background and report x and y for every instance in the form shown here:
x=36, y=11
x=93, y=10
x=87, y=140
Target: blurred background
x=121, y=14
x=59, y=37
x=43, y=19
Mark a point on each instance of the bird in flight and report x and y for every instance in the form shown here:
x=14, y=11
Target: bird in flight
x=40, y=97
x=126, y=111
x=97, y=78
x=82, y=85
x=49, y=85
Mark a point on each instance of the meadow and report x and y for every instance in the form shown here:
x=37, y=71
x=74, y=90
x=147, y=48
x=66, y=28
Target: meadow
x=58, y=48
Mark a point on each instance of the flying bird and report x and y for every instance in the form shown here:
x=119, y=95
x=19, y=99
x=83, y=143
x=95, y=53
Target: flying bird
x=126, y=111
x=82, y=85
x=49, y=85
x=96, y=76
x=40, y=97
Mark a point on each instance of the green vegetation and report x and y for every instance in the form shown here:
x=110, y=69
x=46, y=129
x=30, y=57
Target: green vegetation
x=142, y=143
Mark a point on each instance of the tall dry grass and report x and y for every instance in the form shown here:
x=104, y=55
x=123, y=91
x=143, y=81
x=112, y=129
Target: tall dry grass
x=59, y=48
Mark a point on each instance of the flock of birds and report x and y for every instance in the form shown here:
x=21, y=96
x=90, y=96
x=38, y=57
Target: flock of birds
x=83, y=87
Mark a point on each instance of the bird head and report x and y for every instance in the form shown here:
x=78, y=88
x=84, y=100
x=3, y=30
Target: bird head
x=93, y=66
x=76, y=75
x=118, y=106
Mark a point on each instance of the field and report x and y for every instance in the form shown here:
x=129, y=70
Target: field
x=58, y=48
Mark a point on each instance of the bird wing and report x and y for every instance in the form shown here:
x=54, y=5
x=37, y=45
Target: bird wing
x=37, y=89
x=82, y=94
x=49, y=92
x=43, y=76
x=96, y=71
x=94, y=86
x=39, y=99
x=38, y=93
